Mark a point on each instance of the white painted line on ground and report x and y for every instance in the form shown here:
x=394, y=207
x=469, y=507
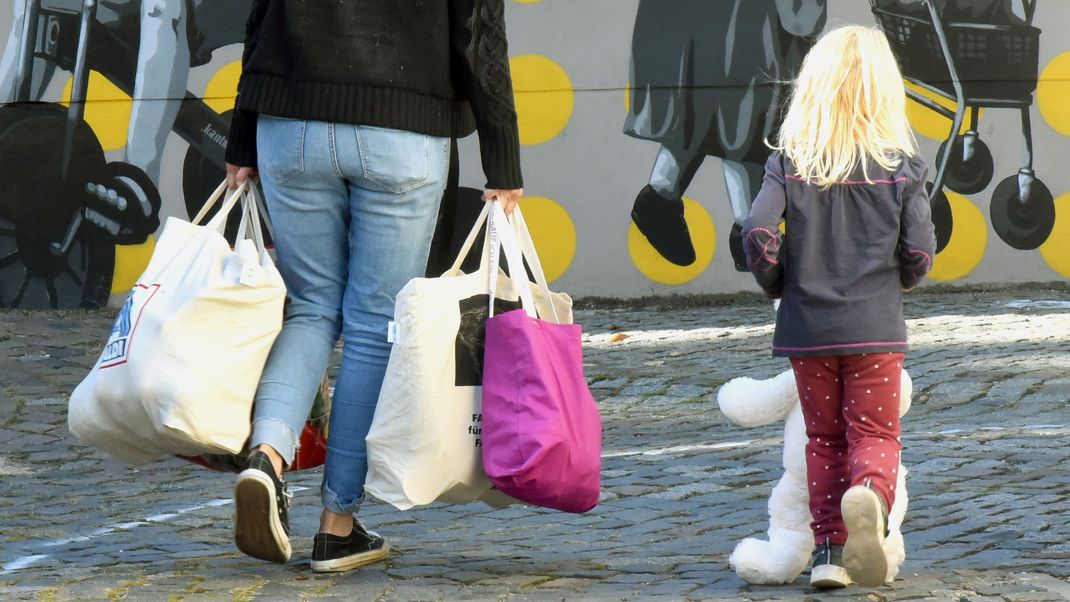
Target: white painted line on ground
x=1043, y=304
x=678, y=449
x=23, y=562
x=1048, y=430
x=31, y=559
x=1044, y=430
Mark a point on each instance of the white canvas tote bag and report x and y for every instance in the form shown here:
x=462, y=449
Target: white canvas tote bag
x=180, y=369
x=424, y=444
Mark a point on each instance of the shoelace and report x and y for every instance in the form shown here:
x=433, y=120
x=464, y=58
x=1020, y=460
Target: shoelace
x=824, y=553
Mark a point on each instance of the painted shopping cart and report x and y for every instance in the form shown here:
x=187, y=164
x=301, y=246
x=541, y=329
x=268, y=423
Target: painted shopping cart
x=982, y=53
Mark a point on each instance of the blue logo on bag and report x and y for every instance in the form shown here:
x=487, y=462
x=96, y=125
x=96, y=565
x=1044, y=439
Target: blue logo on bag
x=125, y=327
x=122, y=324
x=120, y=333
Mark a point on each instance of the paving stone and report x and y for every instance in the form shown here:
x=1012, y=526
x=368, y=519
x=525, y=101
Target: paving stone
x=986, y=443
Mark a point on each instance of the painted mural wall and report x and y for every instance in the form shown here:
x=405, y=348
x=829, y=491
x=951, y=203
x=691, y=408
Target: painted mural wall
x=642, y=124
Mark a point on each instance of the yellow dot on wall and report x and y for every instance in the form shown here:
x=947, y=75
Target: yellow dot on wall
x=655, y=267
x=969, y=237
x=543, y=95
x=1056, y=250
x=1053, y=89
x=130, y=262
x=107, y=110
x=553, y=232
x=222, y=89
x=929, y=123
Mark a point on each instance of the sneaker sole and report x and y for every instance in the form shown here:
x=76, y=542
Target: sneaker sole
x=863, y=554
x=829, y=576
x=348, y=563
x=258, y=531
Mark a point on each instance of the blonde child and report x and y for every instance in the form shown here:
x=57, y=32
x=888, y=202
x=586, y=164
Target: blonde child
x=848, y=184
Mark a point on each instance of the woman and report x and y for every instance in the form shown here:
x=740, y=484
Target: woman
x=347, y=109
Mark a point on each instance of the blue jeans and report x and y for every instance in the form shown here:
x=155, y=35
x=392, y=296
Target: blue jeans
x=354, y=210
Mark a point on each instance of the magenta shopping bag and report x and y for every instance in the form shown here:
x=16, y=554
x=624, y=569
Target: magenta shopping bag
x=542, y=432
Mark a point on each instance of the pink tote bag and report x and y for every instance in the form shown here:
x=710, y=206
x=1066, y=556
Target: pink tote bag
x=542, y=432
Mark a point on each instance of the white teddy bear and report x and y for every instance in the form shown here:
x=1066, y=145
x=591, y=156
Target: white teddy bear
x=750, y=403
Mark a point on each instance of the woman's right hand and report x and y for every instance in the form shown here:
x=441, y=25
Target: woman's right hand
x=508, y=198
x=236, y=176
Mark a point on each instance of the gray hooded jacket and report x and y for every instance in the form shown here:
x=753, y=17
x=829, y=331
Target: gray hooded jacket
x=849, y=253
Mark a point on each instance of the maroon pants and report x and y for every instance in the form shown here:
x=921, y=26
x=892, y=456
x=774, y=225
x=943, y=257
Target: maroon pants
x=851, y=407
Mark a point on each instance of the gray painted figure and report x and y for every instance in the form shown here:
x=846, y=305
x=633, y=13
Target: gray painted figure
x=163, y=65
x=708, y=78
x=166, y=53
x=165, y=56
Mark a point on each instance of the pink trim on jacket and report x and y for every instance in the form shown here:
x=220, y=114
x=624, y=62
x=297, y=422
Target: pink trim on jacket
x=821, y=347
x=850, y=182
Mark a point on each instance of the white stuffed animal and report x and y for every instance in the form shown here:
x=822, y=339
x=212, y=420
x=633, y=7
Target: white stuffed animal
x=750, y=403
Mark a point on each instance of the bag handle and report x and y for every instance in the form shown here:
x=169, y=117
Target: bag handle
x=262, y=208
x=214, y=198
x=470, y=242
x=250, y=222
x=252, y=206
x=501, y=235
x=527, y=247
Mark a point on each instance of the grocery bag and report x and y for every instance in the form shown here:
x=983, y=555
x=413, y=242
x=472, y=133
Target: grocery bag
x=425, y=439
x=180, y=369
x=542, y=431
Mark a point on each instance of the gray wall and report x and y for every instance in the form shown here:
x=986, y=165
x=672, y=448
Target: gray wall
x=592, y=169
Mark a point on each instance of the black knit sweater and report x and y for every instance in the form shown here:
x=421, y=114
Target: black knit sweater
x=437, y=67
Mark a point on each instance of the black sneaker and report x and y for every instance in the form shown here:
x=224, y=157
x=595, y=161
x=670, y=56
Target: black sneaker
x=261, y=521
x=826, y=569
x=866, y=519
x=662, y=222
x=331, y=553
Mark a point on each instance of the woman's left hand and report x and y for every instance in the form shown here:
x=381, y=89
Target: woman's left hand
x=508, y=198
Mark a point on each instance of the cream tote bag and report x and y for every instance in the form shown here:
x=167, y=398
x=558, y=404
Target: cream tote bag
x=425, y=439
x=180, y=369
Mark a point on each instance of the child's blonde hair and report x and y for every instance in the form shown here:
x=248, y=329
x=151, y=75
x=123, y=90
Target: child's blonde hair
x=848, y=104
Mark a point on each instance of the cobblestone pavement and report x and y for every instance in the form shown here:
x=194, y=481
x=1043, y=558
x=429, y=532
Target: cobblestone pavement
x=987, y=443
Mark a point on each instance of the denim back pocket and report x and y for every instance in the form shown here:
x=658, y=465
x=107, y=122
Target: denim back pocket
x=280, y=147
x=395, y=160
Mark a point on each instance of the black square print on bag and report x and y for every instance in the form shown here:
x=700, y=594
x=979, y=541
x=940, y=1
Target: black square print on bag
x=472, y=335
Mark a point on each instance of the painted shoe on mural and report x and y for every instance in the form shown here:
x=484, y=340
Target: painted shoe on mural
x=735, y=245
x=662, y=222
